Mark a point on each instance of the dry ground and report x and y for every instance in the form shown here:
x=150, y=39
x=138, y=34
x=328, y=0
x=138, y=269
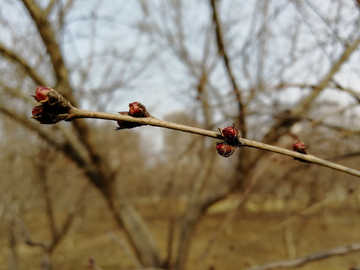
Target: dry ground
x=246, y=242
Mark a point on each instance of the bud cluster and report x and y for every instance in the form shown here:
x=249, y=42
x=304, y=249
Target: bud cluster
x=232, y=140
x=136, y=109
x=52, y=106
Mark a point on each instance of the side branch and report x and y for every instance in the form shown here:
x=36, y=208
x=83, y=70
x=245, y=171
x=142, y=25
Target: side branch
x=337, y=251
x=223, y=53
x=53, y=107
x=152, y=121
x=15, y=58
x=46, y=32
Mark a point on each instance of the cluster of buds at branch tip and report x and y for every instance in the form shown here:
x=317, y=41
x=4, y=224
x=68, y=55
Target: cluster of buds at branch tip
x=136, y=109
x=232, y=140
x=52, y=106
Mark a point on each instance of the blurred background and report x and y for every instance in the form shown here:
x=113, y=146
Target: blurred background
x=81, y=195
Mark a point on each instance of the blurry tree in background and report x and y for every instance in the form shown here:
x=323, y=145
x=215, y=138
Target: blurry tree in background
x=278, y=69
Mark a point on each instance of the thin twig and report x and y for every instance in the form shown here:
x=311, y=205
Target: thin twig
x=337, y=251
x=126, y=248
x=15, y=58
x=223, y=53
x=75, y=113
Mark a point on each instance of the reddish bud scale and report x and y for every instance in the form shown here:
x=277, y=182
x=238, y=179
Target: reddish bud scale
x=224, y=149
x=138, y=110
x=41, y=94
x=37, y=110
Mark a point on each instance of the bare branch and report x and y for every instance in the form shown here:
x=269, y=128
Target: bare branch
x=337, y=251
x=21, y=224
x=327, y=79
x=31, y=125
x=47, y=34
x=50, y=6
x=78, y=113
x=223, y=53
x=59, y=236
x=193, y=212
x=48, y=200
x=126, y=248
x=15, y=58
x=285, y=125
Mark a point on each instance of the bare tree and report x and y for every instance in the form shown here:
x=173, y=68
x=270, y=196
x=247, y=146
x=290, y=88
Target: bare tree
x=270, y=67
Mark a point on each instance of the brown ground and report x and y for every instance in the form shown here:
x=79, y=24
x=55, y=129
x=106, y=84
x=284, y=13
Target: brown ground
x=89, y=238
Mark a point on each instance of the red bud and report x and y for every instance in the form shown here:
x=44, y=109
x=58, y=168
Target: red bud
x=37, y=110
x=138, y=110
x=299, y=146
x=224, y=149
x=231, y=134
x=41, y=94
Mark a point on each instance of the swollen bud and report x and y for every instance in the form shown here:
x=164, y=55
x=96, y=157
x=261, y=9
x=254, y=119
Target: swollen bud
x=299, y=146
x=138, y=110
x=231, y=134
x=224, y=149
x=41, y=94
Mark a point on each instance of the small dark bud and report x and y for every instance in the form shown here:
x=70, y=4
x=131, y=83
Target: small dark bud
x=224, y=149
x=125, y=124
x=231, y=134
x=41, y=93
x=138, y=110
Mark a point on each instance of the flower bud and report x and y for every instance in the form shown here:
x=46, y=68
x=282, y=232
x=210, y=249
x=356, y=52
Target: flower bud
x=53, y=107
x=138, y=110
x=224, y=149
x=126, y=125
x=231, y=134
x=41, y=115
x=37, y=110
x=299, y=146
x=41, y=93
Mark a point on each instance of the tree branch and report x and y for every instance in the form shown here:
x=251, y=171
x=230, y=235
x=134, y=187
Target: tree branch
x=337, y=251
x=39, y=17
x=50, y=6
x=284, y=124
x=126, y=249
x=223, y=53
x=15, y=58
x=304, y=105
x=79, y=113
